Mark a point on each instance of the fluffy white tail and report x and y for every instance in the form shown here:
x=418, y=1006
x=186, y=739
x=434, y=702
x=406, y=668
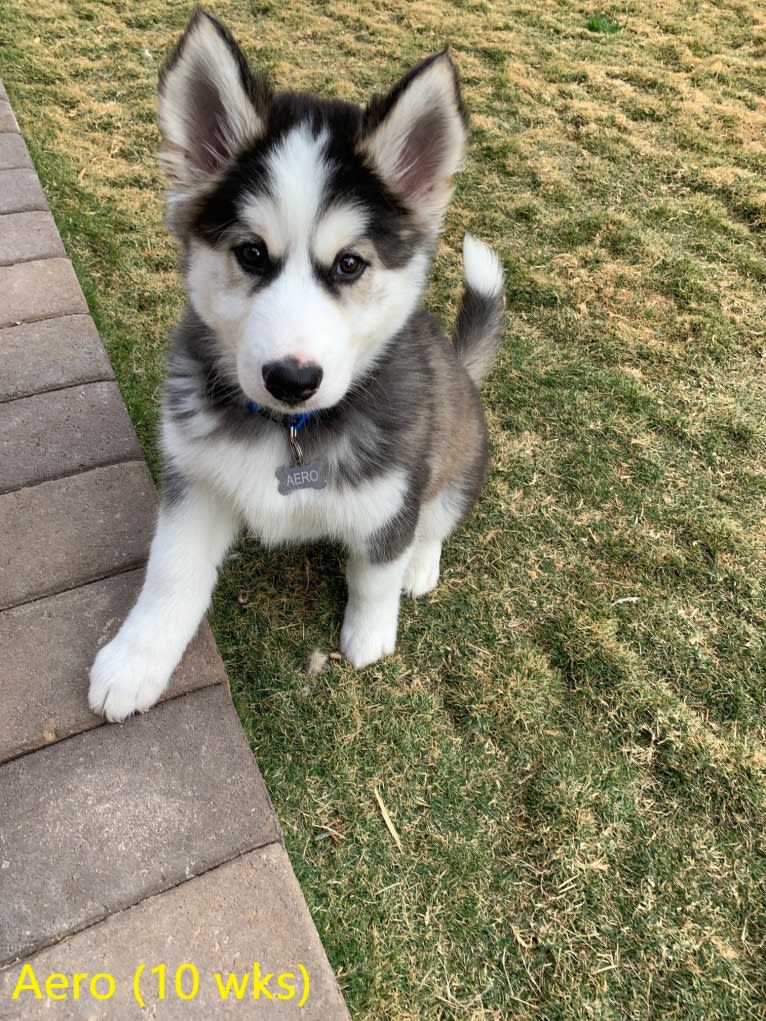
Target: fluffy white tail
x=480, y=320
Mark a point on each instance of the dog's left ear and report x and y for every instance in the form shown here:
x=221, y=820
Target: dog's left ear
x=415, y=137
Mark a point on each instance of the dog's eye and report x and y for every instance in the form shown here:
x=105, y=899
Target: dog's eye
x=348, y=267
x=253, y=256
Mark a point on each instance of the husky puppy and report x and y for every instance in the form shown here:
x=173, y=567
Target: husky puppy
x=309, y=396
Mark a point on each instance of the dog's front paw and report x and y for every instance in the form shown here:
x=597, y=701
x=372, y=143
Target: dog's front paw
x=125, y=680
x=363, y=641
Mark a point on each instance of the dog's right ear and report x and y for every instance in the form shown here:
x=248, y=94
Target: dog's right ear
x=210, y=105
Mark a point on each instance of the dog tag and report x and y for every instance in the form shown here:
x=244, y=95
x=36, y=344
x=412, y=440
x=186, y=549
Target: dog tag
x=301, y=476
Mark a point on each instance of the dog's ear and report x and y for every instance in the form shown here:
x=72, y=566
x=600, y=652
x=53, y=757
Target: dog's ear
x=415, y=137
x=210, y=105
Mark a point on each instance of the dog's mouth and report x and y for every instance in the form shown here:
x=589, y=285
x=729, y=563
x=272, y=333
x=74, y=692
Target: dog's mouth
x=290, y=418
x=286, y=408
x=283, y=411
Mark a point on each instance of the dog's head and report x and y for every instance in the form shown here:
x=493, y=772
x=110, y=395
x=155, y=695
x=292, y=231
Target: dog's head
x=307, y=225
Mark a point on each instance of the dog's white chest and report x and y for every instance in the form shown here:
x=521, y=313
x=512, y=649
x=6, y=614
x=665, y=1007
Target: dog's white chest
x=283, y=502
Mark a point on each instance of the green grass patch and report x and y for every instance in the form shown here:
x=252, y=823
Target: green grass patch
x=602, y=23
x=570, y=736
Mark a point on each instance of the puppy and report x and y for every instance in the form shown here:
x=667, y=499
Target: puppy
x=309, y=396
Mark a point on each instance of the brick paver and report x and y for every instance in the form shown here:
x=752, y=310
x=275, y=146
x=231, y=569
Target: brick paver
x=63, y=432
x=49, y=354
x=248, y=914
x=48, y=646
x=61, y=534
x=27, y=236
x=20, y=190
x=39, y=290
x=130, y=810
x=7, y=120
x=13, y=150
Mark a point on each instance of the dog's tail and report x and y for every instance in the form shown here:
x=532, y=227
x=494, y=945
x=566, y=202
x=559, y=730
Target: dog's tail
x=480, y=320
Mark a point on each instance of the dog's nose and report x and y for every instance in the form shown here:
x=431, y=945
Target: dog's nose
x=291, y=382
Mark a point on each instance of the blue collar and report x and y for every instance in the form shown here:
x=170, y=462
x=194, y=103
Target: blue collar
x=295, y=422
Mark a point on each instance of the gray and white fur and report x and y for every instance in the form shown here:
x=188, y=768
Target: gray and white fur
x=307, y=228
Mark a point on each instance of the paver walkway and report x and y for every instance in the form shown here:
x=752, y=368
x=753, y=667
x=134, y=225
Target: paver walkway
x=152, y=843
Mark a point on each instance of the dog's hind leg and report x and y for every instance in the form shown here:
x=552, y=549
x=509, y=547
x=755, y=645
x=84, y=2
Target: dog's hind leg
x=132, y=671
x=437, y=519
x=372, y=611
x=422, y=574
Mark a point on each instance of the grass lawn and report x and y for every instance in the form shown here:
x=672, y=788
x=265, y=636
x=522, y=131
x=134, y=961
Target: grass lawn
x=570, y=738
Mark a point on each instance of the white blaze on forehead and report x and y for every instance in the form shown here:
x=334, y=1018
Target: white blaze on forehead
x=339, y=227
x=298, y=172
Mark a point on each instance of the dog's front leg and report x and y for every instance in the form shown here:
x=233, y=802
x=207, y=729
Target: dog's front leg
x=372, y=611
x=132, y=671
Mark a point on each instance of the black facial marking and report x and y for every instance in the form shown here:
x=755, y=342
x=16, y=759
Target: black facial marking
x=391, y=226
x=214, y=215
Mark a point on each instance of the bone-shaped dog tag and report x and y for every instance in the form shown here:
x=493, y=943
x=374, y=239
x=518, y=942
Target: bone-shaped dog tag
x=301, y=476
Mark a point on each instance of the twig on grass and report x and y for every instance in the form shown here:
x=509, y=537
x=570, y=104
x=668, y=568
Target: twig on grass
x=387, y=819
